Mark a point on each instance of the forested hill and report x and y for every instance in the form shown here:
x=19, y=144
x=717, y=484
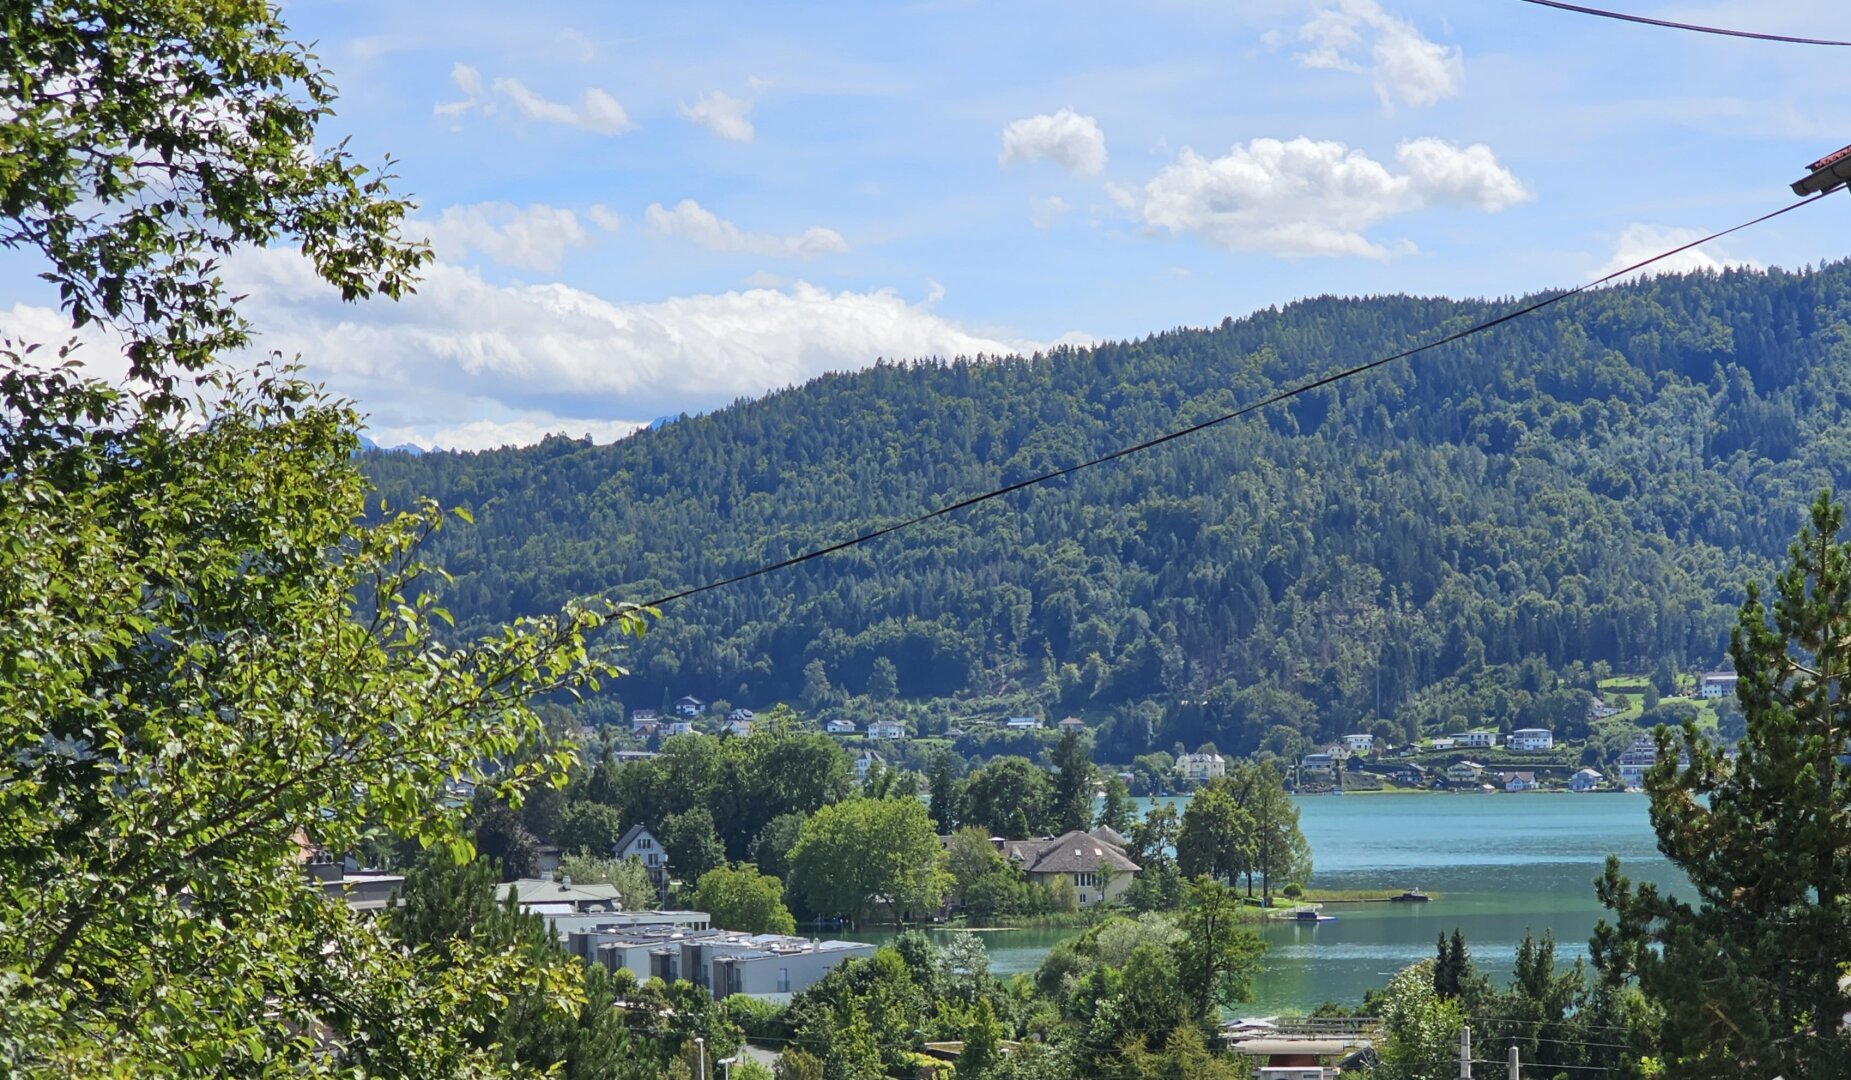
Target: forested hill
x=1591, y=484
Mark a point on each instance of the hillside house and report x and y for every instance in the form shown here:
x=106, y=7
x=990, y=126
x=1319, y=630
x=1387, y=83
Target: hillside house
x=1201, y=768
x=1718, y=684
x=1464, y=772
x=1640, y=756
x=1022, y=723
x=1442, y=742
x=741, y=714
x=1532, y=739
x=886, y=729
x=1098, y=869
x=1585, y=780
x=640, y=844
x=840, y=727
x=690, y=706
x=1359, y=744
x=678, y=727
x=1520, y=781
x=866, y=763
x=1411, y=774
x=1600, y=710
x=1317, y=763
x=1073, y=724
x=1476, y=740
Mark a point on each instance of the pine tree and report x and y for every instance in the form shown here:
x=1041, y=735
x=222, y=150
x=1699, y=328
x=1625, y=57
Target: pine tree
x=1073, y=783
x=1747, y=976
x=942, y=785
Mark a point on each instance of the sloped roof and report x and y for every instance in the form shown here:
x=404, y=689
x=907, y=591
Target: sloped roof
x=1110, y=836
x=1078, y=852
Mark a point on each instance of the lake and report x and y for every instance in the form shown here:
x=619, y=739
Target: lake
x=1500, y=864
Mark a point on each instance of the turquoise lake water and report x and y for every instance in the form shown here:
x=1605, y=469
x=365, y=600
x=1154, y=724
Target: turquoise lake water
x=1500, y=864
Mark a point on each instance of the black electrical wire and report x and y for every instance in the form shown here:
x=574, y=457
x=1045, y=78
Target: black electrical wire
x=1273, y=399
x=1695, y=27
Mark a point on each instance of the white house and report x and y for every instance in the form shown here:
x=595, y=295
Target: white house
x=886, y=729
x=1532, y=738
x=1442, y=742
x=866, y=762
x=737, y=727
x=1585, y=780
x=1718, y=684
x=1201, y=767
x=1464, y=772
x=1519, y=781
x=840, y=727
x=1359, y=744
x=1073, y=724
x=1477, y=740
x=1598, y=709
x=1317, y=763
x=640, y=844
x=690, y=706
x=678, y=727
x=1022, y=723
x=1636, y=759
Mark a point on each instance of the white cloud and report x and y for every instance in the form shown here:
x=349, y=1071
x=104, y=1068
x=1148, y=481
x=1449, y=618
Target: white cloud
x=1359, y=36
x=522, y=429
x=469, y=81
x=604, y=217
x=1305, y=197
x=1639, y=242
x=1439, y=172
x=534, y=237
x=596, y=111
x=691, y=220
x=1045, y=212
x=1066, y=138
x=430, y=362
x=722, y=114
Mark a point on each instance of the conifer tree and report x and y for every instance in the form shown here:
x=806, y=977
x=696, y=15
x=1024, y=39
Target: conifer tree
x=1747, y=976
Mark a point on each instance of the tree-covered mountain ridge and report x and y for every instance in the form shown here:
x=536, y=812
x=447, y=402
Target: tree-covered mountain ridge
x=1461, y=535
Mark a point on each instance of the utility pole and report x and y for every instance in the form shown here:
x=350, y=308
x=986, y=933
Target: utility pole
x=700, y=1058
x=1516, y=1064
x=1465, y=1052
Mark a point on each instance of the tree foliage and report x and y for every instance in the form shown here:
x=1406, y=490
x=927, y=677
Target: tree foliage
x=861, y=853
x=741, y=898
x=1748, y=975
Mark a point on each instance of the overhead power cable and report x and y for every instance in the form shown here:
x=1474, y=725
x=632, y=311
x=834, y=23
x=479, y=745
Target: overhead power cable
x=1272, y=399
x=1694, y=27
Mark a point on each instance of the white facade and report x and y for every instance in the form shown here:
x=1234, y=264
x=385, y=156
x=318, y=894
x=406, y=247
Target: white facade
x=1022, y=723
x=1636, y=759
x=840, y=727
x=1359, y=744
x=886, y=729
x=1532, y=739
x=1464, y=771
x=1718, y=684
x=1201, y=767
x=1585, y=780
x=1478, y=740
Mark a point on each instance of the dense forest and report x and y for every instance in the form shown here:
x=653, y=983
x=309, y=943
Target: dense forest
x=1470, y=534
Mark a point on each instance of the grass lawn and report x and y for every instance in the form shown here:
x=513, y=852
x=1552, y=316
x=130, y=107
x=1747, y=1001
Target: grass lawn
x=1633, y=686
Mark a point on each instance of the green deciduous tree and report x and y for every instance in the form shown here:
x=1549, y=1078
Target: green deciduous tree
x=1216, y=956
x=1747, y=976
x=1009, y=797
x=1116, y=811
x=741, y=898
x=1218, y=837
x=693, y=846
x=1420, y=1027
x=858, y=853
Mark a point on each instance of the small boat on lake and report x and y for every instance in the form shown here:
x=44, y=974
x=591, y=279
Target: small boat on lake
x=1412, y=896
x=1309, y=914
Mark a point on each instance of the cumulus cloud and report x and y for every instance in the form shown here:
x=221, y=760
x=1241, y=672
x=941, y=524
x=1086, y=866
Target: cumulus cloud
x=722, y=114
x=1045, y=212
x=1306, y=197
x=604, y=217
x=692, y=221
x=1359, y=36
x=596, y=111
x=533, y=237
x=1639, y=242
x=1066, y=138
x=464, y=349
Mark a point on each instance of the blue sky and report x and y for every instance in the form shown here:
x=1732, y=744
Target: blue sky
x=640, y=209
